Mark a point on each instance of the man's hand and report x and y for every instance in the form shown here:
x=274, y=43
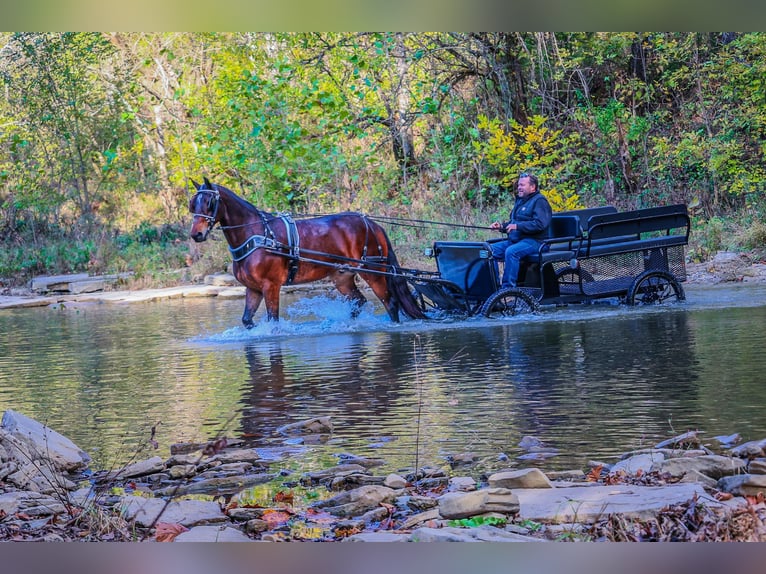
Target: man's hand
x=498, y=227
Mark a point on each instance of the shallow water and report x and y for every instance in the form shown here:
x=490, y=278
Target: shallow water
x=590, y=381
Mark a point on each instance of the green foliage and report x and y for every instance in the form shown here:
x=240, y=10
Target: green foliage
x=476, y=521
x=102, y=131
x=534, y=148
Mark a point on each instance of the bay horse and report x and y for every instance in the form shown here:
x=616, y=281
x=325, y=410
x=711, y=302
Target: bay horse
x=273, y=250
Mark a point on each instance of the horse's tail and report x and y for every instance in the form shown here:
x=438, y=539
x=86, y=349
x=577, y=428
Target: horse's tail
x=401, y=296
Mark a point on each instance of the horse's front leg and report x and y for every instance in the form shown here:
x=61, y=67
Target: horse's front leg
x=252, y=302
x=271, y=293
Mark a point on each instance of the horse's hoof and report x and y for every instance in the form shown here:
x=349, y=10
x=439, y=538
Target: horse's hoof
x=248, y=324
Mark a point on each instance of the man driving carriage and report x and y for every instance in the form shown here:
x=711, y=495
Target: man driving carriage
x=526, y=228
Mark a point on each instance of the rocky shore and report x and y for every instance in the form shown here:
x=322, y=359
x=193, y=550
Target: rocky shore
x=679, y=490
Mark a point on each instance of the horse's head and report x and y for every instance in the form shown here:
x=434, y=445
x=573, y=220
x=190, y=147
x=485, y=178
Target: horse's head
x=204, y=207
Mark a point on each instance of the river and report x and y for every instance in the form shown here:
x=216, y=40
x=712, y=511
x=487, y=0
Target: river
x=590, y=382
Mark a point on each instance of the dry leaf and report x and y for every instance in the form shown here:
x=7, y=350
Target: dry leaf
x=167, y=531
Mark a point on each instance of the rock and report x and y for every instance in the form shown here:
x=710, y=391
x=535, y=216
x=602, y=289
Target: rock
x=529, y=442
x=727, y=440
x=565, y=475
x=25, y=439
x=419, y=503
x=420, y=518
x=37, y=477
x=640, y=462
x=216, y=486
x=145, y=511
x=525, y=478
x=353, y=480
x=587, y=504
x=714, y=466
x=239, y=455
x=394, y=481
x=330, y=473
x=462, y=459
x=750, y=449
x=212, y=534
x=140, y=468
x=357, y=501
x=256, y=525
x=318, y=425
x=455, y=505
x=687, y=438
x=757, y=466
x=30, y=503
x=380, y=536
x=697, y=476
x=461, y=484
x=361, y=460
x=182, y=471
x=479, y=534
x=743, y=484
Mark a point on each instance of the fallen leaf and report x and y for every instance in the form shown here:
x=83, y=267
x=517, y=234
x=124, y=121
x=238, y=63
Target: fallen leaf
x=167, y=531
x=723, y=496
x=275, y=518
x=595, y=474
x=214, y=447
x=286, y=497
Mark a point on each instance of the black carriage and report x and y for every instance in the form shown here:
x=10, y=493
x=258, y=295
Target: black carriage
x=599, y=253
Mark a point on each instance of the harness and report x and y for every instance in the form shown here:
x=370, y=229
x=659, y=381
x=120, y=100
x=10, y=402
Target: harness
x=269, y=241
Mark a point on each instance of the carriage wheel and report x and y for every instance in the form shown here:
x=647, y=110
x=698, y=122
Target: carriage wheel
x=571, y=275
x=438, y=295
x=507, y=303
x=653, y=287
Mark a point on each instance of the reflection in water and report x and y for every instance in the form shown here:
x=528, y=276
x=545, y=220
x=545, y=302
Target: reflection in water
x=587, y=382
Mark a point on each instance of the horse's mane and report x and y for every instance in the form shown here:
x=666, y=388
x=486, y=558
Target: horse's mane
x=245, y=204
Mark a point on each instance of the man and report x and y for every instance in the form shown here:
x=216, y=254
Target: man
x=528, y=225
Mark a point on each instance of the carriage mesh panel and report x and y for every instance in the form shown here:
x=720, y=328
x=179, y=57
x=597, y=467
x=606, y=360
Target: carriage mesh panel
x=613, y=274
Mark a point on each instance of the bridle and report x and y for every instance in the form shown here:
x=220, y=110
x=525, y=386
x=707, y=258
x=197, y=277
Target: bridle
x=212, y=205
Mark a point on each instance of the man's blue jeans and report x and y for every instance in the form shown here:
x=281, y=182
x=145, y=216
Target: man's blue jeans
x=512, y=254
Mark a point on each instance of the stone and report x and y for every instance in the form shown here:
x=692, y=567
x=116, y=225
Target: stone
x=212, y=534
x=31, y=503
x=639, y=463
x=525, y=478
x=357, y=501
x=588, y=504
x=479, y=534
x=317, y=425
x=697, y=476
x=140, y=468
x=146, y=511
x=757, y=466
x=743, y=484
x=216, y=486
x=461, y=484
x=419, y=503
x=237, y=455
x=394, y=481
x=420, y=518
x=687, y=438
x=750, y=449
x=714, y=466
x=182, y=471
x=456, y=505
x=26, y=439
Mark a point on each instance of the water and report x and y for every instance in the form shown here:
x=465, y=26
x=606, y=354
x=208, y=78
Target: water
x=590, y=382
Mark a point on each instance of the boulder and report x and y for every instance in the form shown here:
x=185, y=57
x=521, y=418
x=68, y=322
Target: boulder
x=358, y=501
x=27, y=440
x=525, y=478
x=714, y=466
x=456, y=505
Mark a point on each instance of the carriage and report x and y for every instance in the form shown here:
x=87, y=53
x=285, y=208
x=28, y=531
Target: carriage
x=634, y=256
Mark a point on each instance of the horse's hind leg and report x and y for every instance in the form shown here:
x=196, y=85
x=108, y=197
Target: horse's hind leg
x=346, y=285
x=252, y=301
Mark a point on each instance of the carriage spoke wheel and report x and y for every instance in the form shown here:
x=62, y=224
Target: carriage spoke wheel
x=571, y=275
x=508, y=303
x=653, y=288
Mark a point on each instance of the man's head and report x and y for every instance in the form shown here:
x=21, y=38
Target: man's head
x=527, y=184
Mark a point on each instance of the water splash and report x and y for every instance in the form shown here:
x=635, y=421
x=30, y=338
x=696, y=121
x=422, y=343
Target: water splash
x=308, y=316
